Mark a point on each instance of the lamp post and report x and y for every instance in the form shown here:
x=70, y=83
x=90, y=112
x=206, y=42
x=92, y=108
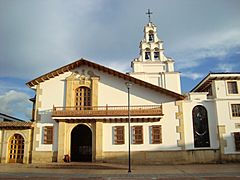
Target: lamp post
x=128, y=84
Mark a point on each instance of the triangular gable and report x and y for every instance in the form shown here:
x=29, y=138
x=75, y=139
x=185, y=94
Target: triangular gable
x=104, y=69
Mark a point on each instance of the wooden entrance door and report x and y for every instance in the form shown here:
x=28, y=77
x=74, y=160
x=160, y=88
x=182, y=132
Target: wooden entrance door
x=16, y=149
x=81, y=144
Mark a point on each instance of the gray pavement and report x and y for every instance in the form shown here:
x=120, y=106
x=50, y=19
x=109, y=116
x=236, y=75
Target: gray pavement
x=117, y=171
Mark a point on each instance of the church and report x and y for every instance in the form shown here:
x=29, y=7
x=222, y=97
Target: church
x=84, y=111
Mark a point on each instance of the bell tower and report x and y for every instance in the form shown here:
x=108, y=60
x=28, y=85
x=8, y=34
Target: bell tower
x=152, y=65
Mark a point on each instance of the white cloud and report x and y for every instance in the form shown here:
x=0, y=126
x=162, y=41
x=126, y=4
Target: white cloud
x=216, y=45
x=38, y=36
x=16, y=104
x=192, y=75
x=225, y=67
x=120, y=65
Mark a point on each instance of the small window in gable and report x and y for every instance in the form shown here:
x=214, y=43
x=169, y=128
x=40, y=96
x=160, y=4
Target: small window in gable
x=237, y=140
x=232, y=87
x=83, y=98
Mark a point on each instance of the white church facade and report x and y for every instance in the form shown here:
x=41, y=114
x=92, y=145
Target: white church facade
x=81, y=112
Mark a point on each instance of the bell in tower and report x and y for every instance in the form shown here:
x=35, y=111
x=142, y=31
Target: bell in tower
x=152, y=65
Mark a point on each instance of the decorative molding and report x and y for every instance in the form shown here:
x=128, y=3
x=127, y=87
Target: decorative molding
x=95, y=81
x=86, y=79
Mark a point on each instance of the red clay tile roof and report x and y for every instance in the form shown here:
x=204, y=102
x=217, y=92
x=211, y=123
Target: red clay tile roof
x=15, y=125
x=104, y=69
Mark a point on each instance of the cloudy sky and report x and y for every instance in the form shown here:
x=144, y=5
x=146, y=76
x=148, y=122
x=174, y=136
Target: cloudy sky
x=39, y=36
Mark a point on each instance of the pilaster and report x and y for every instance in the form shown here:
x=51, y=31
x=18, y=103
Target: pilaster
x=99, y=141
x=222, y=141
x=61, y=141
x=95, y=81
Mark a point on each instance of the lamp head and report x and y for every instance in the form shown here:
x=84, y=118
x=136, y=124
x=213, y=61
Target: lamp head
x=128, y=84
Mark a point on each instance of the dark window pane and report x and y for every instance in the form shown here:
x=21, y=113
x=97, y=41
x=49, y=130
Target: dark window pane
x=232, y=87
x=200, y=127
x=235, y=110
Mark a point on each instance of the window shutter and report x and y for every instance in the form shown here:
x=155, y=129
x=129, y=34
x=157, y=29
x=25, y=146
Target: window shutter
x=137, y=135
x=48, y=135
x=156, y=134
x=119, y=135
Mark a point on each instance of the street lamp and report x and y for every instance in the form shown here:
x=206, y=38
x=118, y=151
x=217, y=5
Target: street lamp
x=128, y=84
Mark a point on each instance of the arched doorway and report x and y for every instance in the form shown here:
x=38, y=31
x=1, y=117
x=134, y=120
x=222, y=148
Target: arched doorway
x=16, y=149
x=81, y=144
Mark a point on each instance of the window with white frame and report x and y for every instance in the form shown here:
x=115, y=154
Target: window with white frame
x=235, y=110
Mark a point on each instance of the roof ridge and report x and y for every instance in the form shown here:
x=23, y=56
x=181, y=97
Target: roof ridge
x=105, y=69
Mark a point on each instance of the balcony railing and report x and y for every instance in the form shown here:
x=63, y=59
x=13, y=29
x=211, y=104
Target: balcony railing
x=93, y=111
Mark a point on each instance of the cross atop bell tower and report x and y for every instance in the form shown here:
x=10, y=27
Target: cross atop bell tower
x=149, y=15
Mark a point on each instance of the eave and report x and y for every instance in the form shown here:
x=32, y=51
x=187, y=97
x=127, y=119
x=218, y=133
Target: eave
x=202, y=85
x=104, y=69
x=15, y=125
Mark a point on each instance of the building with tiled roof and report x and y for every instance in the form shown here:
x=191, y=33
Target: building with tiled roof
x=84, y=111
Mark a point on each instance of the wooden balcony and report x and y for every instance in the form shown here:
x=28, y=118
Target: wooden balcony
x=101, y=111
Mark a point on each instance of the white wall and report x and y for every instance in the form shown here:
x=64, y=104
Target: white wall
x=39, y=138
x=188, y=122
x=112, y=91
x=225, y=118
x=221, y=90
x=224, y=113
x=169, y=134
x=53, y=92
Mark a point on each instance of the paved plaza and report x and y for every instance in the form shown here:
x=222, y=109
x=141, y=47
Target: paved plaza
x=115, y=171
